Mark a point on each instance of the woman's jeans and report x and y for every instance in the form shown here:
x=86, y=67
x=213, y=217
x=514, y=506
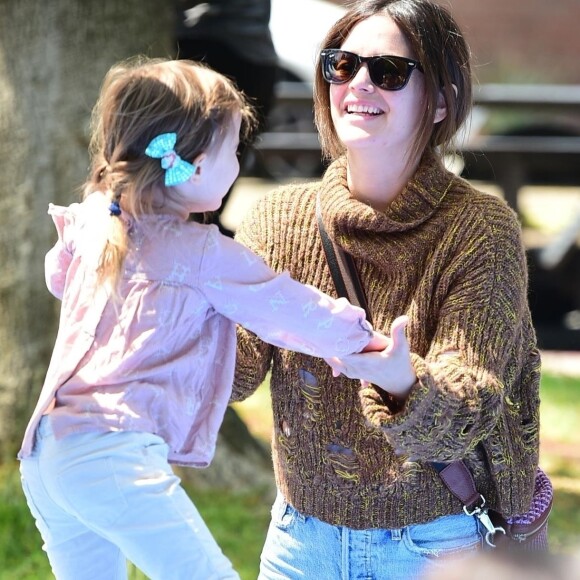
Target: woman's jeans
x=305, y=547
x=99, y=498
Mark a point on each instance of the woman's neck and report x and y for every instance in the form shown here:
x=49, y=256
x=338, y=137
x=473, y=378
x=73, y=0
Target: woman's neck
x=377, y=182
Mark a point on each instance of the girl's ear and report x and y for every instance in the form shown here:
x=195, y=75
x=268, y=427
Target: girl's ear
x=198, y=162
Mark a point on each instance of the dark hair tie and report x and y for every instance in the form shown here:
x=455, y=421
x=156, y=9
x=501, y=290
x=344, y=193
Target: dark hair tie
x=115, y=208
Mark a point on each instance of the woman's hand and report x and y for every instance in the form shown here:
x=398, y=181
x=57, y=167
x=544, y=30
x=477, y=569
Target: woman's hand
x=390, y=369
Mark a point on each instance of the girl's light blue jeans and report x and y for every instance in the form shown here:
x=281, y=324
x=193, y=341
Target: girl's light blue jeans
x=304, y=547
x=99, y=498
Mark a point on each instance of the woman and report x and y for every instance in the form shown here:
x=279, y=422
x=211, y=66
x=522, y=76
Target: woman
x=444, y=271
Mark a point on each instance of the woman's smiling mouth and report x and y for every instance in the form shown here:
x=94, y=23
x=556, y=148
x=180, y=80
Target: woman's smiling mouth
x=363, y=110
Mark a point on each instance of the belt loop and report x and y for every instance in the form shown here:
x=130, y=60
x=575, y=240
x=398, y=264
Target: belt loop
x=397, y=535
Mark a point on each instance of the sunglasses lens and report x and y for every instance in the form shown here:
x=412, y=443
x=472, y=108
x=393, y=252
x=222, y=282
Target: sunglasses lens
x=339, y=67
x=389, y=73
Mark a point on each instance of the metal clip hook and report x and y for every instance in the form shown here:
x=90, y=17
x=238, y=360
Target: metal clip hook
x=484, y=518
x=481, y=513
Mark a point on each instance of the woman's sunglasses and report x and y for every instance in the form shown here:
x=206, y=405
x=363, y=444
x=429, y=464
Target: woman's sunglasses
x=390, y=73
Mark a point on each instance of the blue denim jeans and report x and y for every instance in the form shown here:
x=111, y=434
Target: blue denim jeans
x=99, y=498
x=299, y=546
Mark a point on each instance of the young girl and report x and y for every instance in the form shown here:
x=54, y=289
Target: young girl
x=143, y=364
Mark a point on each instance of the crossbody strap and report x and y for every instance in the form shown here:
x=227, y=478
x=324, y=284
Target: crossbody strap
x=455, y=475
x=342, y=268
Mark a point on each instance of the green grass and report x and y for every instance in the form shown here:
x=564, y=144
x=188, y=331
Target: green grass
x=560, y=409
x=20, y=554
x=560, y=457
x=239, y=520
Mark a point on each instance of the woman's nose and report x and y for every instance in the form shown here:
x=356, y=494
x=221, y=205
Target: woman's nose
x=362, y=80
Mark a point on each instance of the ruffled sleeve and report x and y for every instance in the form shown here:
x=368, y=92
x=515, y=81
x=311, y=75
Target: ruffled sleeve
x=59, y=257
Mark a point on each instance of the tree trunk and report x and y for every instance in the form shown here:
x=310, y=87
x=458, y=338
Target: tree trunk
x=53, y=56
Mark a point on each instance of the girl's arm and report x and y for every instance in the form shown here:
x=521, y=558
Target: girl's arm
x=389, y=368
x=280, y=310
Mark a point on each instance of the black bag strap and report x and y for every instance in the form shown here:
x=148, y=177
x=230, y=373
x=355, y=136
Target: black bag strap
x=342, y=268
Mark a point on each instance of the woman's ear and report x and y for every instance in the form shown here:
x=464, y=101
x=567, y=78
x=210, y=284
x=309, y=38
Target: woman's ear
x=441, y=110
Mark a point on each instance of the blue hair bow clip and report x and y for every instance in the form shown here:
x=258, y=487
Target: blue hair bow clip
x=177, y=170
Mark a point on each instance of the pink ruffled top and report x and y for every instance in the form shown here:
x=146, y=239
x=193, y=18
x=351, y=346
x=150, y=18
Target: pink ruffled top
x=162, y=359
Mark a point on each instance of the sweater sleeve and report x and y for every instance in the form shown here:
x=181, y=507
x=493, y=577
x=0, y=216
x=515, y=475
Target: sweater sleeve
x=465, y=383
x=253, y=360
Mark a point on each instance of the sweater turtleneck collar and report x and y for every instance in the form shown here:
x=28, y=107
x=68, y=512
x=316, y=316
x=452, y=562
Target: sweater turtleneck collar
x=347, y=218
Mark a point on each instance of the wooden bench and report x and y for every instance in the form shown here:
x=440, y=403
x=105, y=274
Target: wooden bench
x=514, y=161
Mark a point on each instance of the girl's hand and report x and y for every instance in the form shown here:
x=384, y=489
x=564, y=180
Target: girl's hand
x=377, y=343
x=390, y=369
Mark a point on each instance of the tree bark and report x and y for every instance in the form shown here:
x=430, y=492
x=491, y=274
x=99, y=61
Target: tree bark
x=53, y=56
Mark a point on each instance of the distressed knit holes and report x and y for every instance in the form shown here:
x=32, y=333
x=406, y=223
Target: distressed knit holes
x=311, y=391
x=513, y=407
x=285, y=428
x=466, y=429
x=287, y=446
x=344, y=462
x=529, y=434
x=307, y=378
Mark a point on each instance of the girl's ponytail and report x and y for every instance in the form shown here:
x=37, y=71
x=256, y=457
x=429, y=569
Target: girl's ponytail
x=110, y=267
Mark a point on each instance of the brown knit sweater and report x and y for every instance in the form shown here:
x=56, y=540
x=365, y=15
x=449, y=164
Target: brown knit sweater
x=452, y=259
